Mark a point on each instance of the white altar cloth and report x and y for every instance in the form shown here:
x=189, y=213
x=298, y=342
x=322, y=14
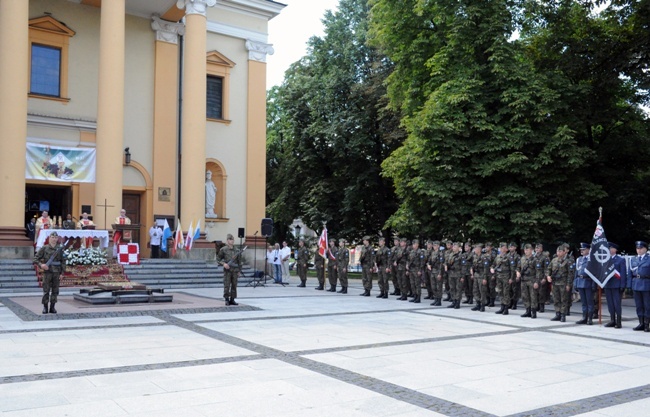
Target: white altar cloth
x=102, y=235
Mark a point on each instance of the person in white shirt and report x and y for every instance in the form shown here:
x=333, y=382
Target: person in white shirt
x=286, y=254
x=276, y=258
x=269, y=261
x=155, y=234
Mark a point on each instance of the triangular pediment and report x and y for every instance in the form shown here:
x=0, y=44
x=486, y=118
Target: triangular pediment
x=51, y=25
x=216, y=58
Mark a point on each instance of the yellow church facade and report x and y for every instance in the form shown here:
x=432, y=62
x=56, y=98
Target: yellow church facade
x=154, y=106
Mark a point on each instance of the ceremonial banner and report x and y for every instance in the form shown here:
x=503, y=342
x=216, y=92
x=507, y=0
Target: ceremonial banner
x=56, y=163
x=600, y=266
x=322, y=243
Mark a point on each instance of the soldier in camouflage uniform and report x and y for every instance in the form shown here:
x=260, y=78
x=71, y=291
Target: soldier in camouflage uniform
x=230, y=259
x=319, y=264
x=342, y=266
x=426, y=273
x=559, y=272
x=435, y=265
x=332, y=270
x=480, y=271
x=445, y=275
x=492, y=281
x=302, y=261
x=515, y=288
x=414, y=266
x=454, y=268
x=367, y=261
x=393, y=266
x=527, y=276
x=466, y=260
x=542, y=263
x=51, y=261
x=504, y=269
x=383, y=268
x=401, y=259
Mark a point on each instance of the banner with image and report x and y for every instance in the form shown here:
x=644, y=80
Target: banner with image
x=57, y=163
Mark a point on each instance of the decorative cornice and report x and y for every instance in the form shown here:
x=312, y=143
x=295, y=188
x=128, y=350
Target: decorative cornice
x=236, y=32
x=257, y=51
x=61, y=122
x=167, y=31
x=195, y=6
x=257, y=8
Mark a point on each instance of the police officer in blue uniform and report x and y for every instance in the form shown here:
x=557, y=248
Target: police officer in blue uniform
x=639, y=281
x=615, y=287
x=585, y=285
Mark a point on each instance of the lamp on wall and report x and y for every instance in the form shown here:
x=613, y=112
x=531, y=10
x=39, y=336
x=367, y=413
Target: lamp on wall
x=127, y=156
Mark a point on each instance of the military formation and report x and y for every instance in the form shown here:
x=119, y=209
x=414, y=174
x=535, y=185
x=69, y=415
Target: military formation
x=483, y=275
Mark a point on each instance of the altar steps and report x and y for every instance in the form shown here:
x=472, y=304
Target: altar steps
x=17, y=275
x=174, y=273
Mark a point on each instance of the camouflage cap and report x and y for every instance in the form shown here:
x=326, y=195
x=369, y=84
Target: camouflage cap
x=478, y=245
x=503, y=244
x=332, y=240
x=54, y=234
x=366, y=237
x=488, y=243
x=539, y=245
x=436, y=242
x=395, y=238
x=528, y=246
x=459, y=244
x=342, y=240
x=403, y=239
x=416, y=241
x=230, y=237
x=382, y=239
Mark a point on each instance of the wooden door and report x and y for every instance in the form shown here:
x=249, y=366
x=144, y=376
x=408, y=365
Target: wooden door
x=131, y=203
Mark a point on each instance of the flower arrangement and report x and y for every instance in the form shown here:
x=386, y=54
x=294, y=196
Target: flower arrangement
x=82, y=256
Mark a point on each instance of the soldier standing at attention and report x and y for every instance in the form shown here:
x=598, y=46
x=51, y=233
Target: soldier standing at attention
x=416, y=261
x=367, y=261
x=558, y=273
x=639, y=281
x=426, y=273
x=541, y=264
x=445, y=275
x=527, y=277
x=504, y=270
x=230, y=259
x=515, y=288
x=343, y=260
x=615, y=287
x=50, y=259
x=319, y=264
x=302, y=259
x=492, y=281
x=480, y=272
x=435, y=266
x=383, y=268
x=393, y=266
x=585, y=285
x=467, y=281
x=332, y=271
x=454, y=268
x=401, y=268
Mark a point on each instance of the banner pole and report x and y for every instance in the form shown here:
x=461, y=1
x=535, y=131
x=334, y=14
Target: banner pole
x=600, y=305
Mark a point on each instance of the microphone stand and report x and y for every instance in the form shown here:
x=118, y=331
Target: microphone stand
x=257, y=281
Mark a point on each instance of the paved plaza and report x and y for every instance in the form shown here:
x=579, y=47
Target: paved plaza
x=297, y=352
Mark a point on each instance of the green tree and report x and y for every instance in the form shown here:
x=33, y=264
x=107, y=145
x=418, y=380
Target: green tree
x=329, y=130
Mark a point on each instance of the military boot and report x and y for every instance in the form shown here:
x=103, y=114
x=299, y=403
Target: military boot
x=500, y=311
x=301, y=285
x=646, y=328
x=439, y=302
x=542, y=307
x=584, y=318
x=640, y=326
x=457, y=305
x=466, y=300
x=562, y=318
x=319, y=288
x=556, y=318
x=527, y=313
x=447, y=297
x=344, y=290
x=227, y=301
x=45, y=310
x=505, y=310
x=612, y=321
x=381, y=295
x=590, y=320
x=417, y=299
x=491, y=303
x=340, y=291
x=365, y=293
x=232, y=302
x=477, y=307
x=595, y=315
x=332, y=288
x=403, y=297
x=471, y=300
x=618, y=322
x=429, y=296
x=52, y=309
x=533, y=313
x=397, y=292
x=385, y=295
x=514, y=304
x=482, y=309
x=452, y=305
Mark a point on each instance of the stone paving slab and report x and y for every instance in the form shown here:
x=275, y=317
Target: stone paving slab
x=296, y=352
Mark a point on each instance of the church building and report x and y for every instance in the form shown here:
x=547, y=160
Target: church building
x=157, y=107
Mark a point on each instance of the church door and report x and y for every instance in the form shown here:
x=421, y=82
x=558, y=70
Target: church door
x=131, y=203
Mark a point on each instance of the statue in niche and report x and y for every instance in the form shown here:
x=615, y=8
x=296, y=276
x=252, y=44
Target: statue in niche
x=210, y=196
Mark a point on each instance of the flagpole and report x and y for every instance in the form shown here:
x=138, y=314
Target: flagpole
x=600, y=290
